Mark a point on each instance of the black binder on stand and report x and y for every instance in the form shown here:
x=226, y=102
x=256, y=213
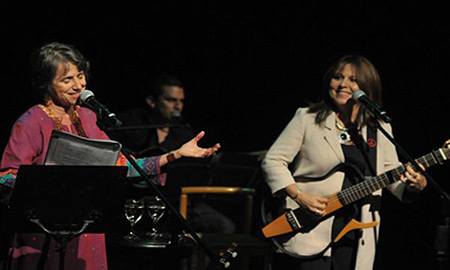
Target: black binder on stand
x=66, y=201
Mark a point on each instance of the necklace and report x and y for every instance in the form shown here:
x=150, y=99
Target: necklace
x=342, y=133
x=49, y=111
x=75, y=119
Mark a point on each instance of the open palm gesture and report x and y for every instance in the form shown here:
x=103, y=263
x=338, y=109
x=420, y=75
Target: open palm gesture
x=191, y=148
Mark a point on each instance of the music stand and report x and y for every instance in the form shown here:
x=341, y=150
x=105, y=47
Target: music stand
x=66, y=201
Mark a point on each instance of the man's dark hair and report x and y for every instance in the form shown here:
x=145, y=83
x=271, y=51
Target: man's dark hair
x=157, y=84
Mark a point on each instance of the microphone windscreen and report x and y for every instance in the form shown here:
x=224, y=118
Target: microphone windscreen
x=85, y=95
x=175, y=115
x=358, y=94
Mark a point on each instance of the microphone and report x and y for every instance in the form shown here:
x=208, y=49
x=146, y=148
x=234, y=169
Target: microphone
x=87, y=97
x=176, y=115
x=361, y=97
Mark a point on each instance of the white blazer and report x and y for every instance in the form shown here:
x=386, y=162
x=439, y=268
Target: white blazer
x=310, y=150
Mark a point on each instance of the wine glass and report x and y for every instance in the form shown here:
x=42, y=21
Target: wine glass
x=155, y=208
x=134, y=209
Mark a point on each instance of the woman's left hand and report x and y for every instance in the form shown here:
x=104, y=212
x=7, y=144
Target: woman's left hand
x=191, y=148
x=413, y=178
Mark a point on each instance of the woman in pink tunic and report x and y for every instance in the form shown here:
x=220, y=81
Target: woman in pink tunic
x=60, y=74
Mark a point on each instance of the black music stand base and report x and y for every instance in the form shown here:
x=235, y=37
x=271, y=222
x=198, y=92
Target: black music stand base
x=66, y=201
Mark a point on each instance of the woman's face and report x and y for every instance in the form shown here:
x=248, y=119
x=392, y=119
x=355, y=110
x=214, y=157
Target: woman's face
x=67, y=85
x=342, y=86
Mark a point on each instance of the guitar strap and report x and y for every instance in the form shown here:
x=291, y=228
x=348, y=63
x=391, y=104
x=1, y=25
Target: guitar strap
x=371, y=146
x=375, y=201
x=368, y=150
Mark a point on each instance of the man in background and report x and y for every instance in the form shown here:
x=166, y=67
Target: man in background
x=157, y=128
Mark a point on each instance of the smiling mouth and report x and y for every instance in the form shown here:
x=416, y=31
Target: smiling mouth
x=74, y=96
x=341, y=90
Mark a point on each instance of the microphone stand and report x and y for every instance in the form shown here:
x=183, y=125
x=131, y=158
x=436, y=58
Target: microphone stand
x=123, y=128
x=105, y=126
x=441, y=244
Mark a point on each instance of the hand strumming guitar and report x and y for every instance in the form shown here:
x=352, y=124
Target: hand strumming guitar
x=314, y=203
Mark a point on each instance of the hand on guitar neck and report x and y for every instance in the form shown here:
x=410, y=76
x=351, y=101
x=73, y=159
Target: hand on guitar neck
x=413, y=178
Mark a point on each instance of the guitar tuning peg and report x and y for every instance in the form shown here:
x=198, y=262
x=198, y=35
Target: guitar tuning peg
x=232, y=250
x=226, y=264
x=232, y=253
x=447, y=144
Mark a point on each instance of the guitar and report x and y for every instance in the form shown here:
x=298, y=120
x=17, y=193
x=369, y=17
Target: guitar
x=304, y=221
x=225, y=257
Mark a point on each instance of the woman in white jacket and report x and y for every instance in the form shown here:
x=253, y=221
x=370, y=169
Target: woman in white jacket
x=333, y=131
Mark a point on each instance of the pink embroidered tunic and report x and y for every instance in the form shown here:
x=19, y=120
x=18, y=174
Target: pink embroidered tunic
x=28, y=144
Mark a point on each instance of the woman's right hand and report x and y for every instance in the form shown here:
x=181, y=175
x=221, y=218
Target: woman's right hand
x=191, y=148
x=315, y=204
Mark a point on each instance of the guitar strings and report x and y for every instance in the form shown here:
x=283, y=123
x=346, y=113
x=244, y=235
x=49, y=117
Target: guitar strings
x=364, y=188
x=378, y=182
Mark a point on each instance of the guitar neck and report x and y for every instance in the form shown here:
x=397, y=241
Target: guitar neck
x=365, y=188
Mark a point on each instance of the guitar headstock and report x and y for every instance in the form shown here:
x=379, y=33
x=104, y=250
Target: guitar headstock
x=445, y=150
x=225, y=258
x=446, y=144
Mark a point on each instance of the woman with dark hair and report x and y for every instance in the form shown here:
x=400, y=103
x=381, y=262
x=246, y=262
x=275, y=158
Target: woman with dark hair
x=333, y=131
x=368, y=80
x=59, y=73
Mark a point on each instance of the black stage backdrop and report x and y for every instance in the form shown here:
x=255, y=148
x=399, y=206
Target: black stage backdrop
x=247, y=68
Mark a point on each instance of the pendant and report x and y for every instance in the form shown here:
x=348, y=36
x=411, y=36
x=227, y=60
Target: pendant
x=343, y=136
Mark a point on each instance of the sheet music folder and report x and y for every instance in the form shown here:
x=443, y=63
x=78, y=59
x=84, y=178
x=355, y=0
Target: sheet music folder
x=68, y=192
x=67, y=149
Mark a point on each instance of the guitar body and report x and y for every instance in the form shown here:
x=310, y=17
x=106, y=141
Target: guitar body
x=315, y=230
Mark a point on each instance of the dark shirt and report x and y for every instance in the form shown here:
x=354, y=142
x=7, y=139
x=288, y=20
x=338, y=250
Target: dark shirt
x=143, y=142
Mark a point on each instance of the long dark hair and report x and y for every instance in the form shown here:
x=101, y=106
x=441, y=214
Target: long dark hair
x=46, y=60
x=368, y=80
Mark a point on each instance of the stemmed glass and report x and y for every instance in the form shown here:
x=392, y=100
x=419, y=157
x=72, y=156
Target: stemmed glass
x=134, y=209
x=155, y=208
